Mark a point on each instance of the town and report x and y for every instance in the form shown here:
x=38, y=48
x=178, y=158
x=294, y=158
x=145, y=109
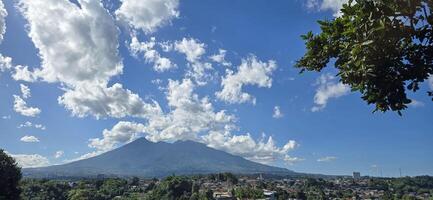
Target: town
x=227, y=186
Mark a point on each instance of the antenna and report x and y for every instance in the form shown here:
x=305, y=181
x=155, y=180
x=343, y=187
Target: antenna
x=399, y=169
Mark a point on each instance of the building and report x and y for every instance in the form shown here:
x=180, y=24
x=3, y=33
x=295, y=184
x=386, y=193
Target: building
x=356, y=175
x=269, y=195
x=223, y=196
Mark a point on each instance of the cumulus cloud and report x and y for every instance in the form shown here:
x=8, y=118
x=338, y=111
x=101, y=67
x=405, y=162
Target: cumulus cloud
x=19, y=72
x=327, y=159
x=244, y=145
x=122, y=132
x=277, y=113
x=191, y=47
x=58, y=154
x=220, y=58
x=20, y=106
x=147, y=15
x=200, y=72
x=78, y=47
x=3, y=14
x=30, y=160
x=25, y=91
x=75, y=44
x=5, y=63
x=22, y=73
x=328, y=88
x=251, y=72
x=160, y=64
x=192, y=118
x=29, y=138
x=100, y=101
x=189, y=115
x=333, y=5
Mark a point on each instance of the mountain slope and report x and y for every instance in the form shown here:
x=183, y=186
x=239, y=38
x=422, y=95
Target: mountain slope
x=144, y=158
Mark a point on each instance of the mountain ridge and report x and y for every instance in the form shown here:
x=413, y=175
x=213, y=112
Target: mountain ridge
x=148, y=159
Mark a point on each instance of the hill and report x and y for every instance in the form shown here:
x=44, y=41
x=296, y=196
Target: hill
x=148, y=159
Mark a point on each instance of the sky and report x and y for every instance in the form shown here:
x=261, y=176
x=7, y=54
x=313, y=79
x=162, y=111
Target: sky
x=82, y=77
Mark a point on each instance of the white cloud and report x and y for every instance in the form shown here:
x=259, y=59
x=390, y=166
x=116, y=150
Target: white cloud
x=220, y=58
x=99, y=101
x=322, y=5
x=29, y=138
x=192, y=49
x=160, y=64
x=79, y=48
x=327, y=89
x=148, y=15
x=192, y=118
x=189, y=115
x=75, y=44
x=22, y=73
x=244, y=145
x=416, y=103
x=3, y=14
x=277, y=113
x=30, y=160
x=58, y=154
x=327, y=159
x=29, y=124
x=250, y=72
x=6, y=117
x=199, y=72
x=25, y=91
x=5, y=63
x=20, y=106
x=84, y=156
x=122, y=132
x=25, y=124
x=40, y=126
x=292, y=160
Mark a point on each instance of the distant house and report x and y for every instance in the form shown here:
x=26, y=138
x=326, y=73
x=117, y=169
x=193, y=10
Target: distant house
x=269, y=195
x=356, y=175
x=223, y=196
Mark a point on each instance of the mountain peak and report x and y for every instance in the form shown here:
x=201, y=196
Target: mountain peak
x=147, y=159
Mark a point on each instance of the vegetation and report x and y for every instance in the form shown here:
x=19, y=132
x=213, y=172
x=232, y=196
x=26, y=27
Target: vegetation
x=198, y=187
x=382, y=48
x=10, y=176
x=248, y=193
x=192, y=188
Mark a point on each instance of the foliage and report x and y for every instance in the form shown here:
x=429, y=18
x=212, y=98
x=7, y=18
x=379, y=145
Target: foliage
x=44, y=189
x=382, y=48
x=173, y=187
x=191, y=188
x=112, y=188
x=248, y=192
x=229, y=177
x=10, y=175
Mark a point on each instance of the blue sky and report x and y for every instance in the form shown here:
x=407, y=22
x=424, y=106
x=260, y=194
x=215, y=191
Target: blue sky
x=104, y=75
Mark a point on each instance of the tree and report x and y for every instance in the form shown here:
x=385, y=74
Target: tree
x=10, y=176
x=135, y=181
x=382, y=48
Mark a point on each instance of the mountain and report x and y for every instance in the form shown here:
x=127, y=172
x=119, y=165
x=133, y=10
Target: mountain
x=147, y=159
